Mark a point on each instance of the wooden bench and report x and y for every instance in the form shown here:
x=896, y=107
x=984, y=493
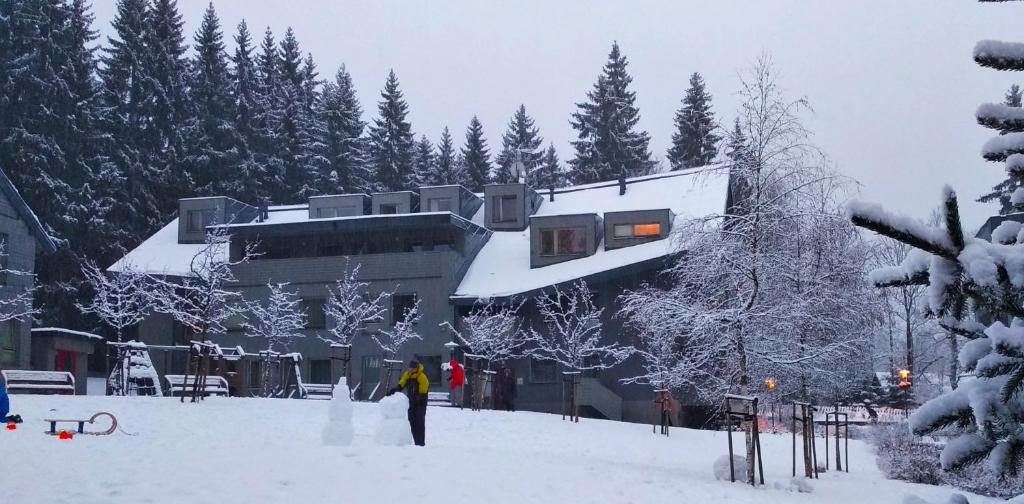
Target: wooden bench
x=440, y=398
x=177, y=385
x=38, y=382
x=322, y=391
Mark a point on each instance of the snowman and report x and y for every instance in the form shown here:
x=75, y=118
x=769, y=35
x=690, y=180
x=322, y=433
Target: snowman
x=394, y=424
x=338, y=431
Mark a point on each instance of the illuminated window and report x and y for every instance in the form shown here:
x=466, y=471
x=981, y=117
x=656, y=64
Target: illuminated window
x=560, y=242
x=636, y=230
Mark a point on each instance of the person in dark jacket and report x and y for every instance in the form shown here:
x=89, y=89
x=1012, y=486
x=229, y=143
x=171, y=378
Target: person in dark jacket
x=5, y=408
x=507, y=390
x=416, y=384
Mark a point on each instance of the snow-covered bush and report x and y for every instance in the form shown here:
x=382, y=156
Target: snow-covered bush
x=904, y=457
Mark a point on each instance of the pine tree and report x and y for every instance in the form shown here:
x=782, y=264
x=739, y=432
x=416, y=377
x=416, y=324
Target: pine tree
x=252, y=175
x=424, y=163
x=521, y=141
x=214, y=144
x=168, y=68
x=477, y=157
x=448, y=170
x=345, y=146
x=266, y=151
x=289, y=123
x=608, y=145
x=316, y=166
x=549, y=172
x=694, y=143
x=1013, y=96
x=391, y=140
x=128, y=110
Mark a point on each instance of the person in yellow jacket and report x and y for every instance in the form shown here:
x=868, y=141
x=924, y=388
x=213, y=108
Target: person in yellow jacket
x=416, y=384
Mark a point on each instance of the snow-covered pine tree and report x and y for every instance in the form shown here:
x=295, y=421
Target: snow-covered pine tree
x=252, y=175
x=127, y=111
x=608, y=145
x=521, y=141
x=314, y=136
x=168, y=72
x=477, y=157
x=549, y=173
x=448, y=170
x=1008, y=119
x=344, y=142
x=694, y=143
x=424, y=163
x=266, y=149
x=291, y=123
x=391, y=140
x=214, y=145
x=278, y=320
x=962, y=273
x=1013, y=96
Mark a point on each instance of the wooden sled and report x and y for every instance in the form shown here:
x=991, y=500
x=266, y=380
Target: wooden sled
x=81, y=425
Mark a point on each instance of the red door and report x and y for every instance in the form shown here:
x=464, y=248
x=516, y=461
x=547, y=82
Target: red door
x=65, y=361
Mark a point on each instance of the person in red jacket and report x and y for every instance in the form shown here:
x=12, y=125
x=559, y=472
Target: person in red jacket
x=457, y=382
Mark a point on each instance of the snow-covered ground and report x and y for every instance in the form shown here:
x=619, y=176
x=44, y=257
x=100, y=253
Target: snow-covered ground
x=271, y=450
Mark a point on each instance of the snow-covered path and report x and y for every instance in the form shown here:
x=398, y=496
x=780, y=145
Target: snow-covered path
x=228, y=451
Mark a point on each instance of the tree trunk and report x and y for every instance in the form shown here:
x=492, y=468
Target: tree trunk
x=954, y=361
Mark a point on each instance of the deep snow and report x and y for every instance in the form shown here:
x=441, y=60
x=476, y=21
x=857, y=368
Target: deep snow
x=227, y=450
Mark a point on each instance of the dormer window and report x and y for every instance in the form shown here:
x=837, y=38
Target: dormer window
x=503, y=207
x=199, y=219
x=563, y=242
x=439, y=205
x=388, y=208
x=648, y=230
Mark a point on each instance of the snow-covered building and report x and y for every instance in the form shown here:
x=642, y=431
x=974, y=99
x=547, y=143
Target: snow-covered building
x=449, y=249
x=22, y=237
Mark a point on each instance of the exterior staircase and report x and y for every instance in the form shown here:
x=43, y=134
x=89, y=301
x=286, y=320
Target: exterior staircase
x=600, y=398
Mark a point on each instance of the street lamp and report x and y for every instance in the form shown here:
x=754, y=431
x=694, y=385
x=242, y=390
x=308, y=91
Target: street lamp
x=904, y=375
x=770, y=384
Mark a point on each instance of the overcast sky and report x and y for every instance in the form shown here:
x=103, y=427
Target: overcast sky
x=892, y=84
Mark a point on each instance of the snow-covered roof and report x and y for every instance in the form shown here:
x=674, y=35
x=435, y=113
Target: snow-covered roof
x=69, y=332
x=161, y=254
x=29, y=217
x=502, y=267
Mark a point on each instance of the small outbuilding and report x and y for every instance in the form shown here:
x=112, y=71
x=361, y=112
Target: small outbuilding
x=59, y=349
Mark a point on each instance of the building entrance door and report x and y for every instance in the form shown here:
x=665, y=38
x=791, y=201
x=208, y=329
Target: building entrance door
x=370, y=375
x=65, y=361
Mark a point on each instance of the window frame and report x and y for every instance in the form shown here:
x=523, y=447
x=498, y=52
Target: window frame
x=632, y=227
x=498, y=209
x=206, y=215
x=390, y=206
x=431, y=202
x=395, y=317
x=555, y=241
x=534, y=361
x=313, y=304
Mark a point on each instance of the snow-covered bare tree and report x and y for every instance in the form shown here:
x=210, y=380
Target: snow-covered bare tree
x=572, y=333
x=350, y=307
x=772, y=287
x=16, y=304
x=278, y=320
x=201, y=300
x=492, y=331
x=393, y=339
x=120, y=300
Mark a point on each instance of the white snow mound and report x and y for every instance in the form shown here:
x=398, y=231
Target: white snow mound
x=721, y=468
x=394, y=426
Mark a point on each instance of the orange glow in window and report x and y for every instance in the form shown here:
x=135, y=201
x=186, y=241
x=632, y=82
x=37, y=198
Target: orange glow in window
x=647, y=230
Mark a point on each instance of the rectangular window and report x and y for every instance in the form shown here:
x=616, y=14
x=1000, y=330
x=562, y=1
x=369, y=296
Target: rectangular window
x=327, y=212
x=543, y=371
x=388, y=209
x=504, y=208
x=439, y=205
x=563, y=242
x=400, y=304
x=199, y=219
x=432, y=366
x=315, y=317
x=637, y=230
x=320, y=371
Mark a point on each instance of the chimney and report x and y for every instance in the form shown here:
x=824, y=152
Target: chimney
x=551, y=193
x=262, y=212
x=622, y=184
